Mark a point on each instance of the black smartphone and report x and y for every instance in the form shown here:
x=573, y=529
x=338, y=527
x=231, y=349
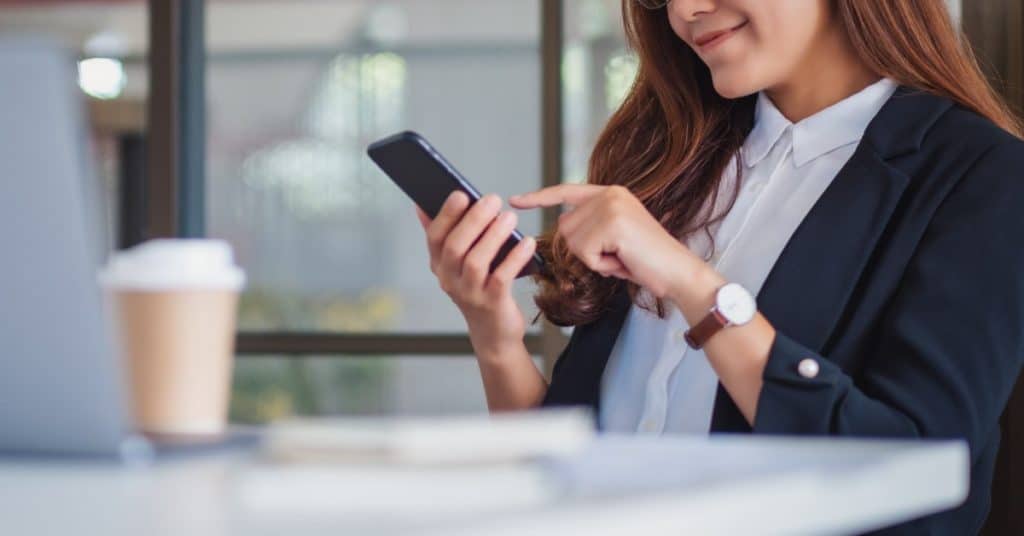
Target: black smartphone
x=427, y=177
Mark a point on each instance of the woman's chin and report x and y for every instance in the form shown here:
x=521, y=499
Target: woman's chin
x=733, y=87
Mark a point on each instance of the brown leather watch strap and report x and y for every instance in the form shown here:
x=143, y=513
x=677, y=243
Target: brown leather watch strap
x=698, y=335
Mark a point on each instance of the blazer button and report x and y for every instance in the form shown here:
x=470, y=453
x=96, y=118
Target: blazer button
x=808, y=368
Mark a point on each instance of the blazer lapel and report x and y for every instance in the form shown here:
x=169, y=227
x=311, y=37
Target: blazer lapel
x=806, y=290
x=812, y=280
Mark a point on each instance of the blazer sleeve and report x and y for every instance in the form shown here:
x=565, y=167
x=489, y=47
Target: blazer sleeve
x=950, y=344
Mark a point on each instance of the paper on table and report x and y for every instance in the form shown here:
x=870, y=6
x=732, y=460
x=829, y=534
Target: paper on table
x=394, y=495
x=445, y=440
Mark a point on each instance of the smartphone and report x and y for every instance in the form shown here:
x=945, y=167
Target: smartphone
x=428, y=179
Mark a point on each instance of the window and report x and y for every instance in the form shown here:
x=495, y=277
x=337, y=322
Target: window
x=330, y=245
x=597, y=71
x=269, y=387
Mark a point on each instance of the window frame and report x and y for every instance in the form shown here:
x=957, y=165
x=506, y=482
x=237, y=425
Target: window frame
x=175, y=179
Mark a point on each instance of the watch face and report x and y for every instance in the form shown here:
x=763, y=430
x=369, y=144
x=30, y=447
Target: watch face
x=736, y=304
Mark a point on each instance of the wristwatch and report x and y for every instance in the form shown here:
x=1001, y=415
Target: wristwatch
x=734, y=306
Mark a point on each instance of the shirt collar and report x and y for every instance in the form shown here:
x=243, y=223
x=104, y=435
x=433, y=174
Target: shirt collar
x=840, y=124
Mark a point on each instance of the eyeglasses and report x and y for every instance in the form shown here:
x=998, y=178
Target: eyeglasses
x=654, y=4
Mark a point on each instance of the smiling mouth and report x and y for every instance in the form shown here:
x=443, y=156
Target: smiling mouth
x=710, y=39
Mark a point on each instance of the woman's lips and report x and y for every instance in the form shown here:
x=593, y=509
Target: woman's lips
x=711, y=39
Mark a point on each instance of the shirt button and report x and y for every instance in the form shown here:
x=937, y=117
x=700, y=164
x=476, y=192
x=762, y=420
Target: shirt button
x=756, y=187
x=647, y=425
x=808, y=368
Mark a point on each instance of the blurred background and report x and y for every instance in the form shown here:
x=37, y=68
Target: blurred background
x=248, y=120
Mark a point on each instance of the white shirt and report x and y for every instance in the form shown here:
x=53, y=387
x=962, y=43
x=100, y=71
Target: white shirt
x=654, y=383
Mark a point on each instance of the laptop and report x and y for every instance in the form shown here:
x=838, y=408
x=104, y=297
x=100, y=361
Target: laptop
x=61, y=385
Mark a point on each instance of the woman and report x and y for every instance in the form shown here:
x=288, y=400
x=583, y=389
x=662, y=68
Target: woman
x=845, y=162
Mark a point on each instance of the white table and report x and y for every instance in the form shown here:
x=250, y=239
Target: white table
x=718, y=485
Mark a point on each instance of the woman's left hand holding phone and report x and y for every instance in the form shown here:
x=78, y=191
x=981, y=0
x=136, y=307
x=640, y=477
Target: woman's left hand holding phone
x=462, y=241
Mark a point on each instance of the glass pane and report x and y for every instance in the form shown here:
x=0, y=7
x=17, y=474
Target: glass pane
x=597, y=70
x=267, y=388
x=955, y=9
x=328, y=241
x=111, y=42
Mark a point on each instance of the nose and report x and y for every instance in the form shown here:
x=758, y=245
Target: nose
x=691, y=10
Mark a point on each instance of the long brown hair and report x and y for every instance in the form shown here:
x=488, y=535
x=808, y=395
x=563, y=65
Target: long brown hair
x=672, y=137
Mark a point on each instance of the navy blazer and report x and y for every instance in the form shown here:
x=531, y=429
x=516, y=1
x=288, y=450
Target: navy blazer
x=905, y=282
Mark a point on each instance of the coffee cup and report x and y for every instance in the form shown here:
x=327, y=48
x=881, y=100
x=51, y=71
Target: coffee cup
x=175, y=304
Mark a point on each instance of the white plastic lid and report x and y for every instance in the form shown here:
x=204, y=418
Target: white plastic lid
x=170, y=264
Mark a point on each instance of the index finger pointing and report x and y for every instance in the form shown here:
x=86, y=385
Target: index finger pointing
x=555, y=195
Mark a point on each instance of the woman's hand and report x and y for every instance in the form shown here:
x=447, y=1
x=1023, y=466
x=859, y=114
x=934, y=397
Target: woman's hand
x=611, y=232
x=463, y=242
